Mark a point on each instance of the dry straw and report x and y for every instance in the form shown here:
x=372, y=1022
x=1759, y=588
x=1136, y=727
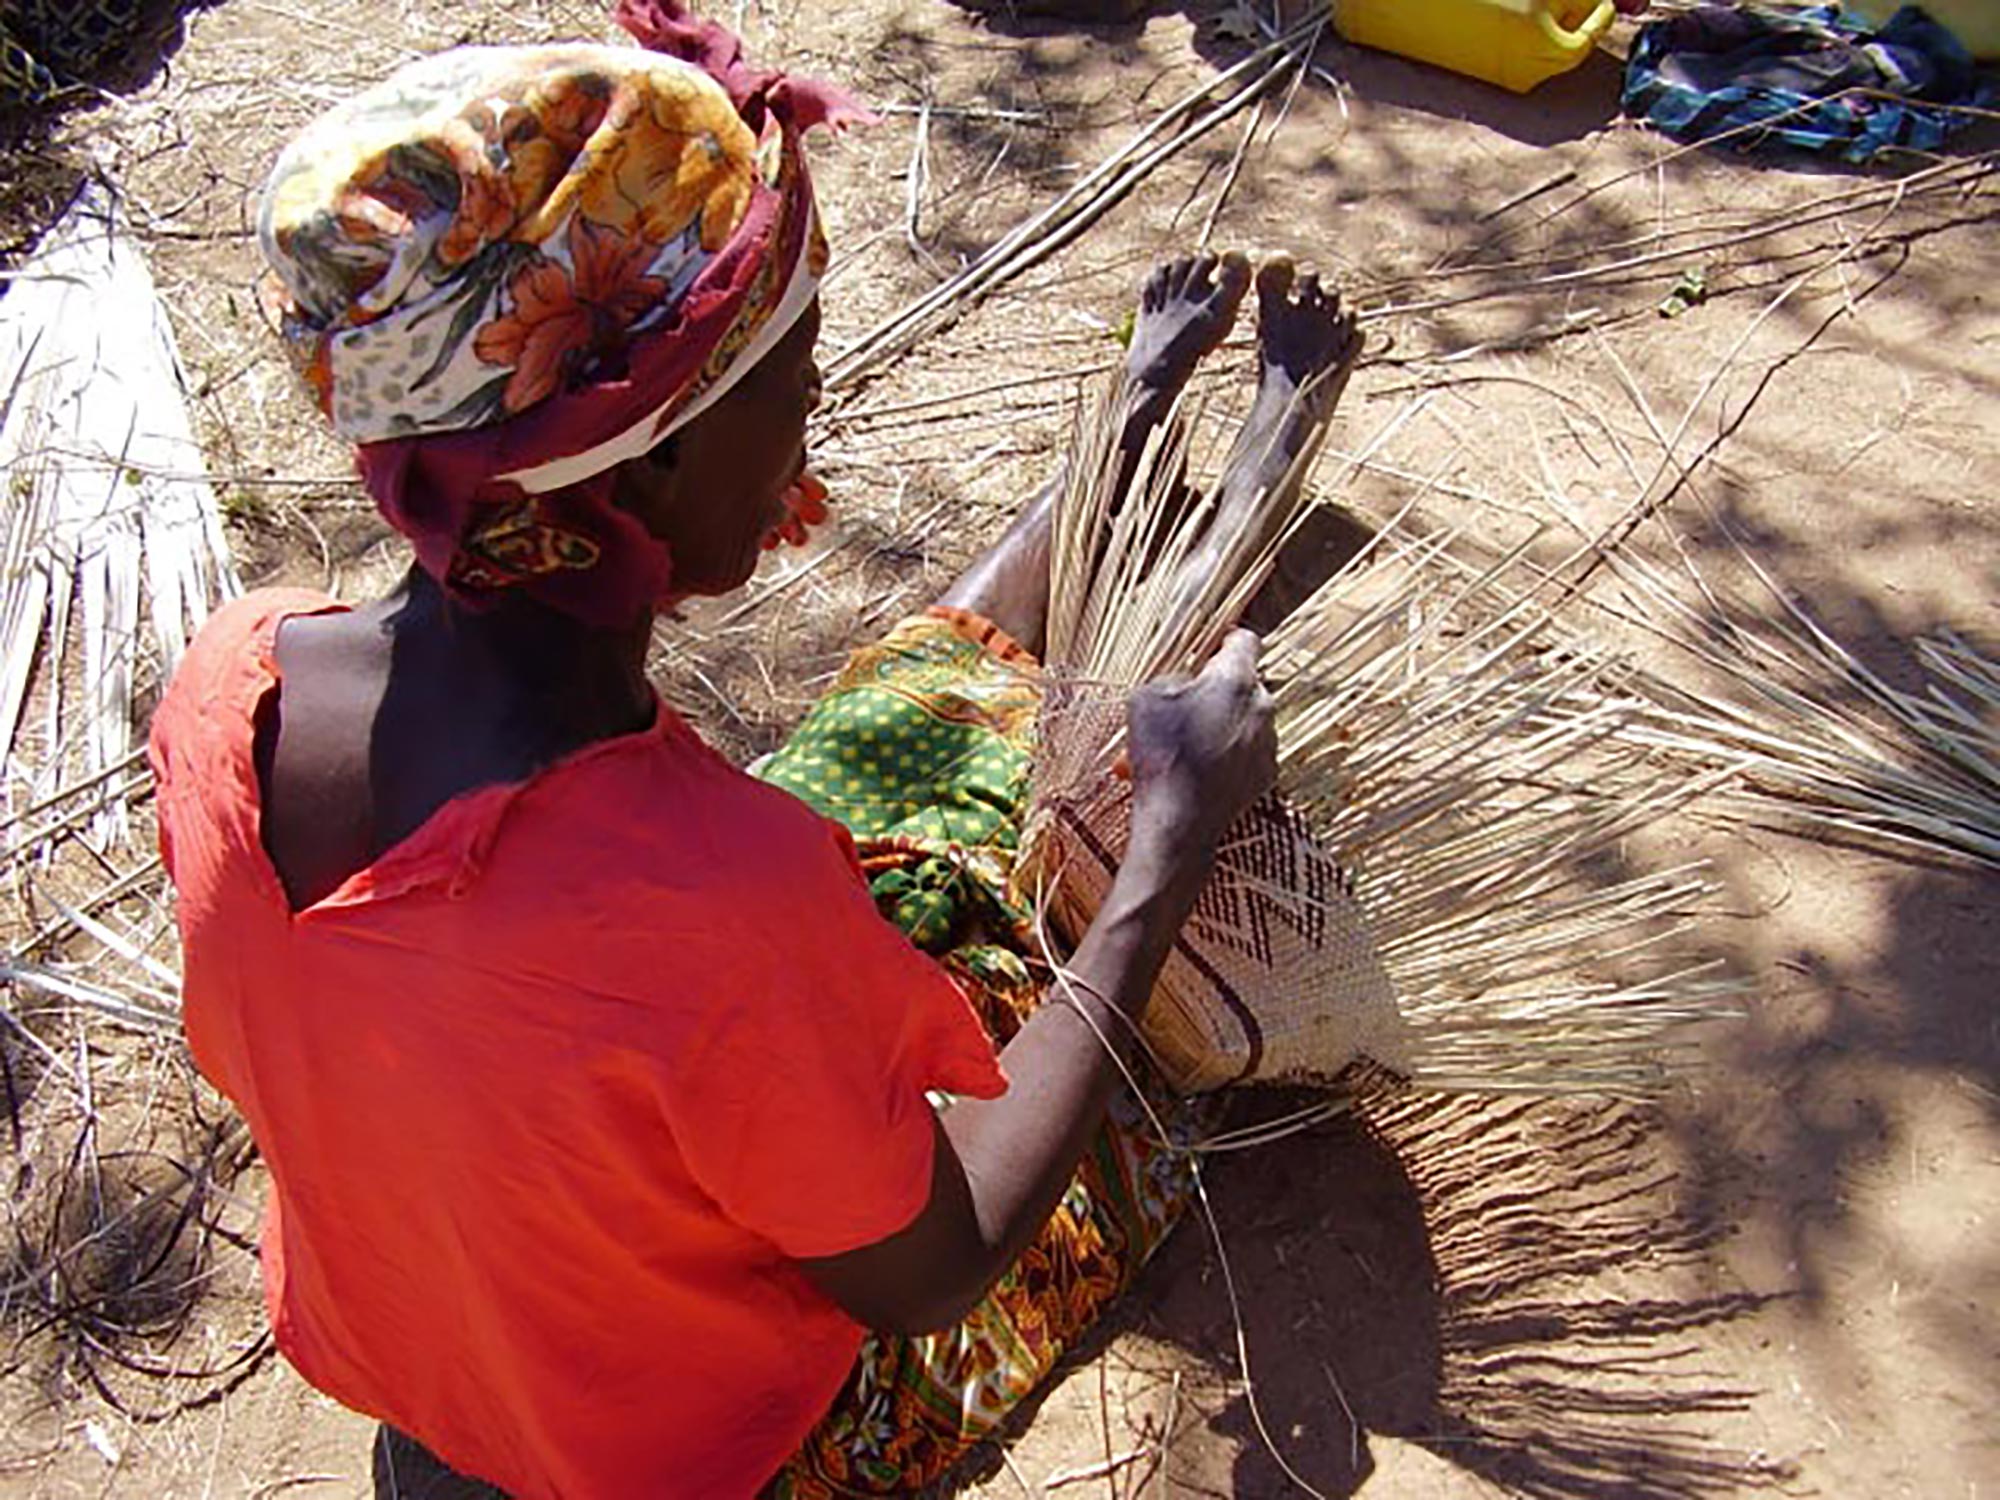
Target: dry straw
x=100, y=534
x=1444, y=885
x=1823, y=742
x=1065, y=219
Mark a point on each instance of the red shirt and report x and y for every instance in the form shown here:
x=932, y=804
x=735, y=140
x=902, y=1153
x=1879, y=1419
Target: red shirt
x=554, y=1092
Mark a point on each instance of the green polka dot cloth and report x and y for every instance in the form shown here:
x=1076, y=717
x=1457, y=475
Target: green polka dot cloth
x=922, y=748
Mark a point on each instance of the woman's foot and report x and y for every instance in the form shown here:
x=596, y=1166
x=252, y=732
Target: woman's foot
x=1307, y=343
x=1186, y=308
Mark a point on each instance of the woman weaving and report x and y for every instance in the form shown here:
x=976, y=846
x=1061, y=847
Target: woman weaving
x=592, y=1082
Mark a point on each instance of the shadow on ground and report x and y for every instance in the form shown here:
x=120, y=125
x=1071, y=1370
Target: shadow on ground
x=1852, y=1116
x=1433, y=1270
x=63, y=56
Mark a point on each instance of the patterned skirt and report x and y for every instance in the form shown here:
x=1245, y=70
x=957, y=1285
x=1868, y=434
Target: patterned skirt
x=922, y=749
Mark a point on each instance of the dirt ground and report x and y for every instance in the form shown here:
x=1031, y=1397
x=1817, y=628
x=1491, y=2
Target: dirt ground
x=1783, y=1277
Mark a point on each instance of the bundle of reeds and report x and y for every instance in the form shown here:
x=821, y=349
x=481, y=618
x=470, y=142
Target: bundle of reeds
x=1824, y=743
x=112, y=549
x=1440, y=884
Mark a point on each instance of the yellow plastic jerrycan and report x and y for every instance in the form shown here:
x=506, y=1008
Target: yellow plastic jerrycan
x=1514, y=43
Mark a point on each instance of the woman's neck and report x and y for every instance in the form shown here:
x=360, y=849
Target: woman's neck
x=520, y=659
x=389, y=712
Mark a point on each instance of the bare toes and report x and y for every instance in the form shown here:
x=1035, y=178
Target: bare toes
x=1187, y=307
x=1233, y=277
x=1274, y=280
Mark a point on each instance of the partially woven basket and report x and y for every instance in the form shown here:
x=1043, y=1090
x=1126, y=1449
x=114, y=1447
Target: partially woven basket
x=1273, y=978
x=1438, y=885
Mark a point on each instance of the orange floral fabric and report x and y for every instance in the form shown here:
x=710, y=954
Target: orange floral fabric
x=507, y=271
x=559, y=310
x=489, y=224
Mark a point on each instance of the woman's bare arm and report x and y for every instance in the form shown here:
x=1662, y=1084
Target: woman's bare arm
x=1201, y=752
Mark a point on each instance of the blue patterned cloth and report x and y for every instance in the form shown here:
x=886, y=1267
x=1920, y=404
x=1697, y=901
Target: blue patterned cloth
x=1807, y=78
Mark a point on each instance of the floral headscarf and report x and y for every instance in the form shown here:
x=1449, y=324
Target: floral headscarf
x=507, y=270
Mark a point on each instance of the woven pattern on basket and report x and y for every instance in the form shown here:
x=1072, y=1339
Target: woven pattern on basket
x=1274, y=977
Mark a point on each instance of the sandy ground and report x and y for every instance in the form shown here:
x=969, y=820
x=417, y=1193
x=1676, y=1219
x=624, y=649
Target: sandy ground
x=1781, y=1279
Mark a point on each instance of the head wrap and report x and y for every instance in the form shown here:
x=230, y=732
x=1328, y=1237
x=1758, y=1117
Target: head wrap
x=507, y=270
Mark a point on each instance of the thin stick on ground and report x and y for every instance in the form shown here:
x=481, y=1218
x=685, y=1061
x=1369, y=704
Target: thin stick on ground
x=1062, y=221
x=1951, y=178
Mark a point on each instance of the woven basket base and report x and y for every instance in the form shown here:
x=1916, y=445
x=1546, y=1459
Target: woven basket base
x=1274, y=977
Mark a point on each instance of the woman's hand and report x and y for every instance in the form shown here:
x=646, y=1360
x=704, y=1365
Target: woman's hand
x=1202, y=750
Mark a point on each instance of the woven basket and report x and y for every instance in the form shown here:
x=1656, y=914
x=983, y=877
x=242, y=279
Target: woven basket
x=1273, y=978
x=1444, y=883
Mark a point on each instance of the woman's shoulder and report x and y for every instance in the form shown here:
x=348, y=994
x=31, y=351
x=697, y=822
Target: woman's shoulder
x=249, y=614
x=655, y=846
x=670, y=795
x=237, y=636
x=228, y=664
